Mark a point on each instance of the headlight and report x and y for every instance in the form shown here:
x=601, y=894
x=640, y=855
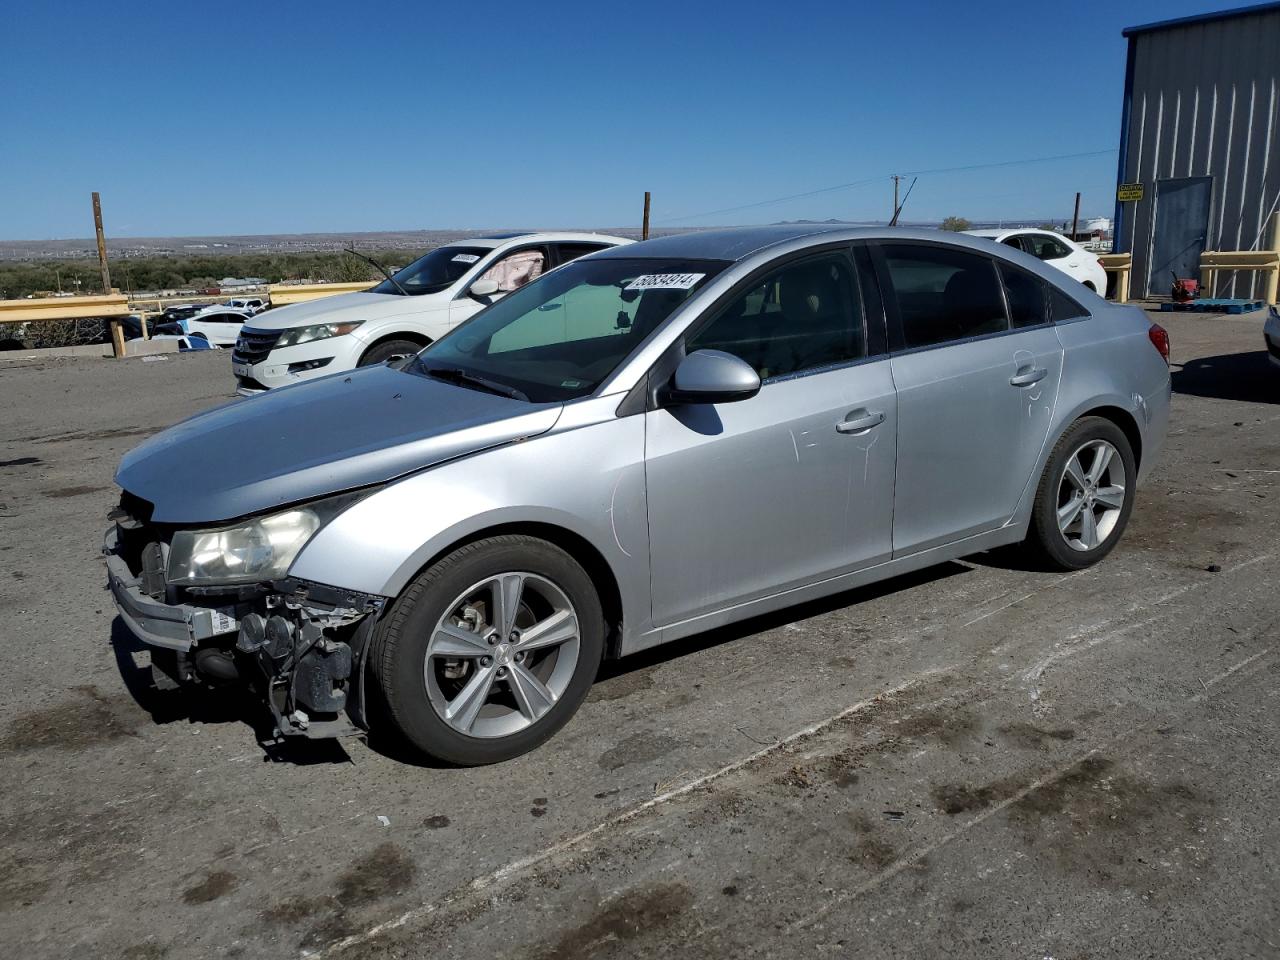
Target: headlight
x=258, y=550
x=321, y=331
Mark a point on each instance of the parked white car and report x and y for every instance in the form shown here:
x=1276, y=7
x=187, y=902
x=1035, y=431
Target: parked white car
x=219, y=325
x=1055, y=250
x=401, y=315
x=249, y=305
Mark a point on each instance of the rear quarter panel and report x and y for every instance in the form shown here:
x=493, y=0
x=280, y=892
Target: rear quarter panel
x=1109, y=360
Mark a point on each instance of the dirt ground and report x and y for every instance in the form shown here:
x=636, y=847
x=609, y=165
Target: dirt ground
x=980, y=760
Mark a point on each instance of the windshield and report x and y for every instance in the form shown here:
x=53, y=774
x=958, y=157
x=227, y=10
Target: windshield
x=434, y=271
x=560, y=336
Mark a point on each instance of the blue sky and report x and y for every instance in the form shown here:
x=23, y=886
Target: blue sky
x=344, y=116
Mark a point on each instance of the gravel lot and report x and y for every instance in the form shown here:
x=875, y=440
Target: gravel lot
x=977, y=761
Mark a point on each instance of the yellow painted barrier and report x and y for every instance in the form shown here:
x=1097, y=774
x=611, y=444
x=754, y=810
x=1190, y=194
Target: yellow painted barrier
x=63, y=308
x=1261, y=261
x=1266, y=261
x=1120, y=264
x=286, y=293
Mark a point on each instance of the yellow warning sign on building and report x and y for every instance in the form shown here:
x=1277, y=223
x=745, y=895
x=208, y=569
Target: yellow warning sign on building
x=1129, y=191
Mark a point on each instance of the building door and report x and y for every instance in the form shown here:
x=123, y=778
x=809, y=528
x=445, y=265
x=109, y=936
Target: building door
x=1179, y=234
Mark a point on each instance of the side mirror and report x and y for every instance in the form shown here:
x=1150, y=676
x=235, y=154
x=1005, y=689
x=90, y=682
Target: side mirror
x=483, y=288
x=712, y=376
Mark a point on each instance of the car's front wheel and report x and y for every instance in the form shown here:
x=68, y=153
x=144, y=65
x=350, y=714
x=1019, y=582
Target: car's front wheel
x=490, y=650
x=1085, y=495
x=388, y=350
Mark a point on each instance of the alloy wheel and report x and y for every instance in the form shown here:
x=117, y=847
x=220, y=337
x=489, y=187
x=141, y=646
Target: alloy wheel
x=1091, y=495
x=502, y=655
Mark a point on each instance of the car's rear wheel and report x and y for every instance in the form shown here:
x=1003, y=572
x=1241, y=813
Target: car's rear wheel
x=490, y=651
x=1085, y=496
x=388, y=350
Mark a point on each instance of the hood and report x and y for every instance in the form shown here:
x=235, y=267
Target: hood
x=318, y=438
x=341, y=308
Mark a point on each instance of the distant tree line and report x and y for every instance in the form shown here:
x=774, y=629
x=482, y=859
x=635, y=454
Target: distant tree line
x=196, y=271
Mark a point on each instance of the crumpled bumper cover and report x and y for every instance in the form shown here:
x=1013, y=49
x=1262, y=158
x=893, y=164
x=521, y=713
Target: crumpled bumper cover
x=170, y=626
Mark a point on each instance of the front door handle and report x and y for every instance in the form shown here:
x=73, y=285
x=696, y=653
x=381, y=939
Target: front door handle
x=860, y=420
x=1034, y=375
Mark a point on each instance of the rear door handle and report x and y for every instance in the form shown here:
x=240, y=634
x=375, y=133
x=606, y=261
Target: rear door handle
x=1034, y=375
x=861, y=420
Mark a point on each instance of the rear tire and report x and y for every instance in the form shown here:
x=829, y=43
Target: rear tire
x=388, y=350
x=1085, y=496
x=449, y=633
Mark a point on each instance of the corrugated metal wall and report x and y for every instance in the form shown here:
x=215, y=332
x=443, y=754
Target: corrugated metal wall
x=1204, y=102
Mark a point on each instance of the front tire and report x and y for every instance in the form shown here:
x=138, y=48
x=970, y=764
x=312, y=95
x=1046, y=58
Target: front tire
x=388, y=350
x=490, y=651
x=1085, y=496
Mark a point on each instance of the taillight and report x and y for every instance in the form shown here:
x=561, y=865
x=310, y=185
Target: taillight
x=1160, y=340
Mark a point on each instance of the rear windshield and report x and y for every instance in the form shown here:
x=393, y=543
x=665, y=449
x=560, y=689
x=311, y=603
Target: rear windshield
x=560, y=336
x=434, y=271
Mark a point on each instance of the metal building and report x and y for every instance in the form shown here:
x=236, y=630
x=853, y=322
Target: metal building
x=1199, y=145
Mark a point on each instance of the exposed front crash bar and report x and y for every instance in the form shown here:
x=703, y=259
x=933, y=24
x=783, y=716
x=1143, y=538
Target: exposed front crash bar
x=301, y=644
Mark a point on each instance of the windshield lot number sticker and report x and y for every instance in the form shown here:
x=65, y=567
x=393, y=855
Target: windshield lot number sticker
x=465, y=258
x=664, y=281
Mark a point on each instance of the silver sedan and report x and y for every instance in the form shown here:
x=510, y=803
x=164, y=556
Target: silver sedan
x=647, y=443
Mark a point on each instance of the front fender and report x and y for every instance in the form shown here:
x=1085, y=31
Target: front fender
x=588, y=481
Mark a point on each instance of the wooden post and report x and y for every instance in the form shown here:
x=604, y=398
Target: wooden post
x=644, y=229
x=117, y=334
x=1075, y=218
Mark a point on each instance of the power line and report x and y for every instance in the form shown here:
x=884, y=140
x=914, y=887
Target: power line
x=884, y=177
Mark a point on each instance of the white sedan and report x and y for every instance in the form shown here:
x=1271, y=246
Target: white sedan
x=219, y=325
x=1055, y=250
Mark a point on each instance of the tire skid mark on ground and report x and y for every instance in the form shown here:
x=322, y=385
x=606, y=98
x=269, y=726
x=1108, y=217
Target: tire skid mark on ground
x=511, y=870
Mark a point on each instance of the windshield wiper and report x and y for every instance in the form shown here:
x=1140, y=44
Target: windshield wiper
x=351, y=249
x=463, y=378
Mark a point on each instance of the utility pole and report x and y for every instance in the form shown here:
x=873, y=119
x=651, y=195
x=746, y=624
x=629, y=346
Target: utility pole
x=644, y=229
x=1075, y=217
x=896, y=178
x=117, y=335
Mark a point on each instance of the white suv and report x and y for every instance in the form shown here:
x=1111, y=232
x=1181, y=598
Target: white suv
x=401, y=315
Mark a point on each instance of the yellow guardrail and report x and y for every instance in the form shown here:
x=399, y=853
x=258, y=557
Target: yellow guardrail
x=63, y=308
x=286, y=293
x=1121, y=264
x=1260, y=261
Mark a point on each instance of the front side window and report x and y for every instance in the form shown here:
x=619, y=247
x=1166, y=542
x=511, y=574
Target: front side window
x=558, y=337
x=801, y=317
x=1026, y=293
x=434, y=272
x=516, y=269
x=1045, y=247
x=943, y=294
x=1015, y=241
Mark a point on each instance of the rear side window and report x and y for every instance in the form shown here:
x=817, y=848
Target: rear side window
x=803, y=316
x=572, y=251
x=1063, y=307
x=943, y=294
x=1015, y=241
x=1045, y=247
x=1028, y=305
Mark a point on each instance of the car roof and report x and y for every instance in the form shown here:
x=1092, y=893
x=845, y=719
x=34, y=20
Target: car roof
x=494, y=241
x=739, y=243
x=1010, y=231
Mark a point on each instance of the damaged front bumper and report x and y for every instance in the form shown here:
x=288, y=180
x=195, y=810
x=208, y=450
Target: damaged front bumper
x=300, y=644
